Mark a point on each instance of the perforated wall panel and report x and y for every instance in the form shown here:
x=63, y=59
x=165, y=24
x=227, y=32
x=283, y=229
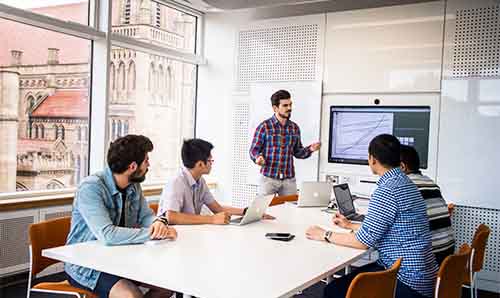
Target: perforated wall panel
x=476, y=51
x=242, y=192
x=14, y=239
x=465, y=220
x=280, y=53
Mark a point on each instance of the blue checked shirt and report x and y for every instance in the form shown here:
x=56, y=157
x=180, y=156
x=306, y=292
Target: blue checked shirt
x=278, y=145
x=397, y=225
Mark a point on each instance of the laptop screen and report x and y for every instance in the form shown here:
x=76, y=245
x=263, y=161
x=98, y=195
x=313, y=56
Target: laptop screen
x=344, y=199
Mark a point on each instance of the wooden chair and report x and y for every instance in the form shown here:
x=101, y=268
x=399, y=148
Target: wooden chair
x=49, y=234
x=479, y=242
x=278, y=200
x=452, y=274
x=154, y=207
x=375, y=284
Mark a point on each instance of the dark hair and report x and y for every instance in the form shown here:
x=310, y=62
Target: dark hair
x=279, y=95
x=409, y=156
x=126, y=150
x=194, y=150
x=385, y=149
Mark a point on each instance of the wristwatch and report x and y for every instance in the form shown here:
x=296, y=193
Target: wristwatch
x=327, y=236
x=162, y=219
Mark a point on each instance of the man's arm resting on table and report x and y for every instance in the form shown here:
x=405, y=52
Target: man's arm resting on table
x=347, y=240
x=215, y=207
x=179, y=218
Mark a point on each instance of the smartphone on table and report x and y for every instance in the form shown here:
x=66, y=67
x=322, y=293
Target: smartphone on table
x=280, y=236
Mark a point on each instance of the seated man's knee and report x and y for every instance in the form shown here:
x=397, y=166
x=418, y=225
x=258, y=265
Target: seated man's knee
x=125, y=289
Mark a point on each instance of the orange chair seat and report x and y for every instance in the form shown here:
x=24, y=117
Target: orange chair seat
x=63, y=286
x=467, y=280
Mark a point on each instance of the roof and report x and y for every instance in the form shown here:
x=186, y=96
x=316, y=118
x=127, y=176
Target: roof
x=64, y=104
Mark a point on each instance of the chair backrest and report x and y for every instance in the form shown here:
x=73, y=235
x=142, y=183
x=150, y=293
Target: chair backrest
x=380, y=284
x=46, y=234
x=154, y=207
x=479, y=247
x=452, y=273
x=277, y=200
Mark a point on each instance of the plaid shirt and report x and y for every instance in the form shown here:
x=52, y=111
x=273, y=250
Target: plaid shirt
x=397, y=225
x=278, y=144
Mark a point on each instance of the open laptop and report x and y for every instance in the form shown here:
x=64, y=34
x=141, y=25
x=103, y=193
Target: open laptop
x=314, y=194
x=344, y=201
x=254, y=212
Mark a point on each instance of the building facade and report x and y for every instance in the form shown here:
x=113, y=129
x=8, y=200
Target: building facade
x=45, y=106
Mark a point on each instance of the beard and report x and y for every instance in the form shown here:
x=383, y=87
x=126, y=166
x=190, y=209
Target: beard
x=286, y=116
x=137, y=177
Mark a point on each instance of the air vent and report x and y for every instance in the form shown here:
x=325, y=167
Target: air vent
x=242, y=192
x=277, y=54
x=476, y=51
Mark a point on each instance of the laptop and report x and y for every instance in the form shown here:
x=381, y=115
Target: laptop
x=314, y=194
x=254, y=212
x=345, y=204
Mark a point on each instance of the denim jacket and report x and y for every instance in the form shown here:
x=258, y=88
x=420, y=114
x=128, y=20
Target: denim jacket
x=96, y=214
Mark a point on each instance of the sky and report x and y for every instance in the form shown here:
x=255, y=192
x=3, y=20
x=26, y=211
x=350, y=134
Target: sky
x=38, y=3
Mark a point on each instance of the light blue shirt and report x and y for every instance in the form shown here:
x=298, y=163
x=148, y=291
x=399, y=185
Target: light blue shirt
x=96, y=214
x=184, y=194
x=397, y=225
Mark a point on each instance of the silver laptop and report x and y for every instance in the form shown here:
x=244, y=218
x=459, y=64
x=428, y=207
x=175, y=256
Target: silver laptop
x=255, y=211
x=314, y=194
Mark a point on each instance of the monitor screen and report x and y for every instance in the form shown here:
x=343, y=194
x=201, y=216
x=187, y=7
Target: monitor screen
x=353, y=127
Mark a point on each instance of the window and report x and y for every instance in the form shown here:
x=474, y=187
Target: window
x=166, y=123
x=50, y=103
x=155, y=23
x=67, y=10
x=158, y=15
x=146, y=93
x=126, y=12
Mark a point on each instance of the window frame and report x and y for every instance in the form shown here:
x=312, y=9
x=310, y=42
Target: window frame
x=99, y=33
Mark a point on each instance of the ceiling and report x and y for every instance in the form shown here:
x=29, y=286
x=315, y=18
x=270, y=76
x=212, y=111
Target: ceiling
x=315, y=5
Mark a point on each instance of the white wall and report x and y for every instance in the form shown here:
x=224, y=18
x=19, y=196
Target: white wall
x=395, y=54
x=216, y=95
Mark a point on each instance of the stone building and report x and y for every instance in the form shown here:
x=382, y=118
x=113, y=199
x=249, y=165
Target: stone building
x=44, y=105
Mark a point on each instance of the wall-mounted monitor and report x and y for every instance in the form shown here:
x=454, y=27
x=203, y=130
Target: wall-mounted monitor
x=353, y=127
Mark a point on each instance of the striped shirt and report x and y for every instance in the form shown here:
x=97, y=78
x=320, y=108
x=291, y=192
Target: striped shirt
x=443, y=237
x=397, y=225
x=278, y=145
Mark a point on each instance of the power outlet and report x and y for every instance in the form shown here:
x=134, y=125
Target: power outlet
x=333, y=179
x=346, y=179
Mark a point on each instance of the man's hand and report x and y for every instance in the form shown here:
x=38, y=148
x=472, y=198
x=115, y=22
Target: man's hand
x=159, y=230
x=315, y=233
x=341, y=221
x=267, y=216
x=260, y=160
x=314, y=146
x=221, y=218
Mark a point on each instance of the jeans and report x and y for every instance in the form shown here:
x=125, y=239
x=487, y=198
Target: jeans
x=269, y=186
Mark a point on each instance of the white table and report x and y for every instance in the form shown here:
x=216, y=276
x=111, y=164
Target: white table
x=210, y=261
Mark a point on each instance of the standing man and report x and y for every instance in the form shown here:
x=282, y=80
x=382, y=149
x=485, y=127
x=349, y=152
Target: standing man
x=184, y=196
x=396, y=225
x=109, y=207
x=276, y=141
x=443, y=237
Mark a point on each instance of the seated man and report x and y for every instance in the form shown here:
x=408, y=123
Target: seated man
x=396, y=224
x=109, y=207
x=443, y=238
x=184, y=196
